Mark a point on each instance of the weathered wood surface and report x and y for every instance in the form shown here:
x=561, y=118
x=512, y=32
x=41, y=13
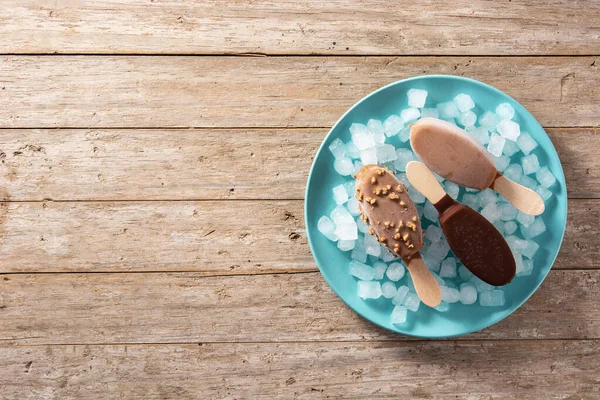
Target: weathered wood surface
x=182, y=164
x=301, y=27
x=189, y=308
x=113, y=91
x=210, y=237
x=376, y=370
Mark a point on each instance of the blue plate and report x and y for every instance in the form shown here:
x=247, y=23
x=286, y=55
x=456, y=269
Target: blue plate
x=333, y=263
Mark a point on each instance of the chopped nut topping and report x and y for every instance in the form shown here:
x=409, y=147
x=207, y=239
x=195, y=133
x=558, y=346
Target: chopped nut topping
x=388, y=187
x=383, y=239
x=397, y=236
x=393, y=196
x=399, y=189
x=373, y=180
x=414, y=219
x=410, y=246
x=371, y=231
x=387, y=223
x=403, y=204
x=405, y=237
x=400, y=224
x=380, y=172
x=373, y=201
x=391, y=224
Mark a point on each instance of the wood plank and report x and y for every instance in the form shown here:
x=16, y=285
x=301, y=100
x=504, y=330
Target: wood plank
x=300, y=27
x=172, y=164
x=415, y=370
x=112, y=91
x=210, y=237
x=189, y=308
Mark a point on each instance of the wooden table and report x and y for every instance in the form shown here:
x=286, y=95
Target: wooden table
x=153, y=160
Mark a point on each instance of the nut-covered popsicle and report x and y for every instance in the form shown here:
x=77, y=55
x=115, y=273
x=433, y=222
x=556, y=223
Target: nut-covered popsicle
x=385, y=205
x=455, y=155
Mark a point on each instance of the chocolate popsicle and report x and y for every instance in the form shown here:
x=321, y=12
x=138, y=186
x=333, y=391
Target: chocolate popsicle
x=385, y=205
x=474, y=240
x=454, y=154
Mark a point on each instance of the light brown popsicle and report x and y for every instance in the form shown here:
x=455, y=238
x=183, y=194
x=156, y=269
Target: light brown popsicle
x=386, y=206
x=454, y=154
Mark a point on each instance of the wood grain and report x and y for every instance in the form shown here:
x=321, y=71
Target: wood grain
x=189, y=308
x=207, y=164
x=415, y=370
x=209, y=237
x=112, y=91
x=301, y=27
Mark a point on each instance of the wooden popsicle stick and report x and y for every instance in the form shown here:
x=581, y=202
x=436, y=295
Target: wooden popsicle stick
x=426, y=286
x=424, y=181
x=523, y=198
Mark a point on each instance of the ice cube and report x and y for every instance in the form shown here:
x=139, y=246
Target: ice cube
x=361, y=271
x=509, y=212
x=489, y=120
x=510, y=148
x=470, y=200
x=327, y=228
x=438, y=250
x=392, y=125
x=505, y=111
x=352, y=151
x=448, y=269
x=416, y=196
x=479, y=133
x=379, y=268
x=346, y=231
x=403, y=157
x=388, y=289
x=410, y=114
x=340, y=215
x=386, y=255
x=439, y=280
x=343, y=166
x=340, y=195
x=526, y=143
x=447, y=110
x=499, y=225
x=361, y=136
x=369, y=290
x=402, y=178
x=433, y=233
x=544, y=193
x=395, y=272
x=352, y=206
x=530, y=250
x=429, y=113
x=442, y=307
x=502, y=162
x=527, y=268
x=480, y=285
x=496, y=144
x=528, y=182
x=467, y=118
x=357, y=166
x=416, y=98
x=398, y=315
x=464, y=273
x=372, y=246
x=450, y=295
x=537, y=227
x=514, y=172
x=463, y=102
x=509, y=129
x=412, y=302
x=491, y=212
x=516, y=245
x=362, y=225
x=346, y=245
x=431, y=263
x=404, y=134
x=386, y=153
x=337, y=148
x=350, y=187
x=430, y=212
x=369, y=156
x=487, y=197
x=530, y=164
x=510, y=227
x=452, y=189
x=400, y=295
x=358, y=252
x=410, y=283
x=468, y=293
x=494, y=298
x=525, y=219
x=375, y=126
x=545, y=177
